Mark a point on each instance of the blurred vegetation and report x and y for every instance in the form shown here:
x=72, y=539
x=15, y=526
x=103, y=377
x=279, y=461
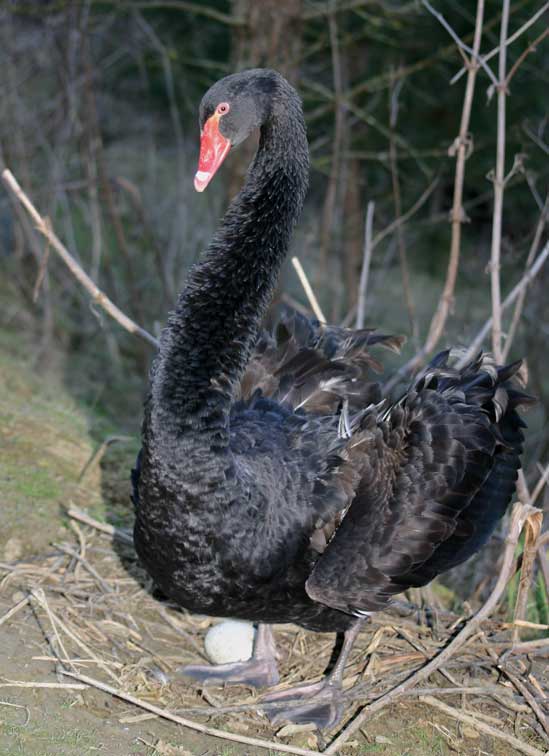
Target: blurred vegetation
x=98, y=121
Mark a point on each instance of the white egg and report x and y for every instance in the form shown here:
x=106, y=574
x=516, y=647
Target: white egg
x=229, y=641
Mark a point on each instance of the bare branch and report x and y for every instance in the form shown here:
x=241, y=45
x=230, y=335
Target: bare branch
x=459, y=42
x=406, y=216
x=520, y=301
x=462, y=148
x=499, y=188
x=368, y=247
x=527, y=278
x=197, y=9
x=96, y=294
x=509, y=40
x=532, y=47
x=332, y=190
x=397, y=201
x=476, y=344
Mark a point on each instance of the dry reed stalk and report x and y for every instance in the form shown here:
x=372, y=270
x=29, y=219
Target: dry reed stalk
x=365, y=272
x=308, y=289
x=397, y=201
x=499, y=187
x=57, y=622
x=461, y=148
x=15, y=608
x=532, y=252
x=532, y=532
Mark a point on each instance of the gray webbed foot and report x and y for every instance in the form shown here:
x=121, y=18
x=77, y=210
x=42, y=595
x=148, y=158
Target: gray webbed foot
x=319, y=703
x=258, y=673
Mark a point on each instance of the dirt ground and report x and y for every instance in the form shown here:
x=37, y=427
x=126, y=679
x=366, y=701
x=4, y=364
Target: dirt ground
x=49, y=461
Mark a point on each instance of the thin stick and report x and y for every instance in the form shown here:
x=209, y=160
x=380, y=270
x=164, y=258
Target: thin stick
x=520, y=301
x=532, y=47
x=309, y=293
x=21, y=684
x=15, y=608
x=461, y=45
x=397, y=201
x=197, y=726
x=499, y=188
x=40, y=597
x=527, y=278
x=462, y=147
x=330, y=202
x=103, y=527
x=527, y=695
x=520, y=514
x=84, y=562
x=527, y=647
x=509, y=40
x=481, y=726
x=540, y=485
x=81, y=276
x=365, y=272
x=60, y=651
x=394, y=225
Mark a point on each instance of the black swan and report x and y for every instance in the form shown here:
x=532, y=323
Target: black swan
x=273, y=483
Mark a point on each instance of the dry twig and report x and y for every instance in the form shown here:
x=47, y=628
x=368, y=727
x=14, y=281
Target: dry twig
x=307, y=288
x=363, y=284
x=532, y=20
x=81, y=276
x=103, y=527
x=526, y=279
x=511, y=331
x=15, y=608
x=499, y=187
x=461, y=148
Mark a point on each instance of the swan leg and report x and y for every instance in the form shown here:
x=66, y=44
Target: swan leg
x=320, y=703
x=260, y=671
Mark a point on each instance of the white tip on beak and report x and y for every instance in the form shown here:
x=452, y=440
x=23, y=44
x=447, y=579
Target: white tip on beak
x=201, y=180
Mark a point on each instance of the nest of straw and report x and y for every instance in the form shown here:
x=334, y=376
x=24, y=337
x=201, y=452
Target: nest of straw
x=103, y=627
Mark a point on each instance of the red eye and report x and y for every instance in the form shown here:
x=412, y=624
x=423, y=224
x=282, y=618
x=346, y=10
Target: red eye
x=223, y=108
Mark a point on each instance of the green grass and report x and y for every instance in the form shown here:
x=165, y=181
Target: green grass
x=40, y=741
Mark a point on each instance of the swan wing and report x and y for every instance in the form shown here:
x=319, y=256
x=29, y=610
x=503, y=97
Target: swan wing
x=311, y=367
x=436, y=471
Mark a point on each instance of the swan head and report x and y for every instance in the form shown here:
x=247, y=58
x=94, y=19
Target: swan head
x=230, y=110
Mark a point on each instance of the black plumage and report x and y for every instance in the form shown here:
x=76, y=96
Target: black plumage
x=273, y=483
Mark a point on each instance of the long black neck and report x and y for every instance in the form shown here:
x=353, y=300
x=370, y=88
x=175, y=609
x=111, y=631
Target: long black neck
x=209, y=337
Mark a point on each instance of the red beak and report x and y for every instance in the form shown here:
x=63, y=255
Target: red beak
x=213, y=151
